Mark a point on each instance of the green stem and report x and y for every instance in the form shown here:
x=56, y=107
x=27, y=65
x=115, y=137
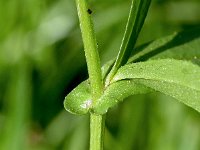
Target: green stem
x=90, y=47
x=96, y=131
x=94, y=70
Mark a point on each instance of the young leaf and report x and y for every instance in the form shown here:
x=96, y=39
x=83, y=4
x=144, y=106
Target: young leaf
x=183, y=46
x=137, y=15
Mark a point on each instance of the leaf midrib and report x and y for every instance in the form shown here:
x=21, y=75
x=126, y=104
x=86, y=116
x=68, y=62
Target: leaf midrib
x=156, y=80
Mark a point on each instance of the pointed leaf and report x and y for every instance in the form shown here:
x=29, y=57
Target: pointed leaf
x=176, y=78
x=137, y=15
x=182, y=45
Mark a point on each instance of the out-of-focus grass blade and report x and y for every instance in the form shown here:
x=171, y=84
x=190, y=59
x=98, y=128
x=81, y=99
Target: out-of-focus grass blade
x=17, y=100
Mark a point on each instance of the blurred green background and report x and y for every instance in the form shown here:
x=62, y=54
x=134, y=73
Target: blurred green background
x=42, y=59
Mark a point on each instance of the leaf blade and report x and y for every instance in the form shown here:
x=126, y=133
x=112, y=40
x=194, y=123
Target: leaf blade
x=181, y=45
x=169, y=70
x=176, y=78
x=184, y=96
x=117, y=92
x=137, y=15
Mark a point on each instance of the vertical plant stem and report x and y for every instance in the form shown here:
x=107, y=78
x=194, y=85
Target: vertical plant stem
x=90, y=47
x=94, y=70
x=97, y=123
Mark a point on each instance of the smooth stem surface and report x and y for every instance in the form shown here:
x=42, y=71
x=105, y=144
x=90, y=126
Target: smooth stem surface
x=90, y=47
x=94, y=70
x=97, y=123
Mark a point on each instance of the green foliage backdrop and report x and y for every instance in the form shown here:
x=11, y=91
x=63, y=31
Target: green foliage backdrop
x=42, y=59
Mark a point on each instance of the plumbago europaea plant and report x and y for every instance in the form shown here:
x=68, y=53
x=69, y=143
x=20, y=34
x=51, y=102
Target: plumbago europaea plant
x=169, y=65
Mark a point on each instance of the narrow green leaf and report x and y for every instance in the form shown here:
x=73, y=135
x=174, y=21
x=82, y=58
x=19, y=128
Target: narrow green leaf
x=184, y=94
x=181, y=45
x=176, y=78
x=137, y=15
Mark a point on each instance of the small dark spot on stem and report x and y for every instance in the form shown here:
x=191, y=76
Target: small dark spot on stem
x=89, y=11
